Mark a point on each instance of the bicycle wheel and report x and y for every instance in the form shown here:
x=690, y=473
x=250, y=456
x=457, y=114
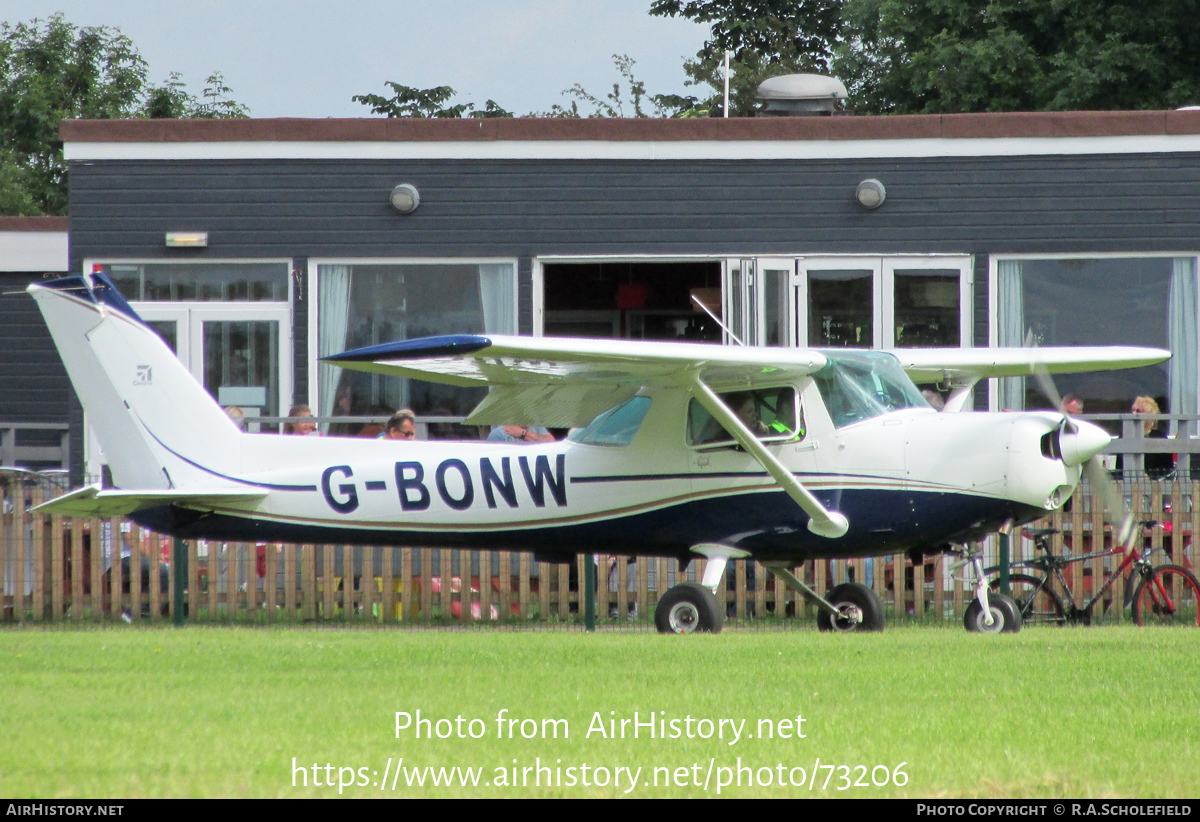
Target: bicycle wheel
x=1039, y=603
x=1171, y=596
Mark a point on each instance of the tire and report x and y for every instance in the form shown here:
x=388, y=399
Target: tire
x=1179, y=606
x=1006, y=617
x=1039, y=604
x=689, y=608
x=860, y=597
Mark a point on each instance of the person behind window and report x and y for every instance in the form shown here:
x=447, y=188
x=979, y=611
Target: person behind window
x=301, y=427
x=934, y=399
x=343, y=406
x=520, y=433
x=237, y=415
x=402, y=426
x=1072, y=405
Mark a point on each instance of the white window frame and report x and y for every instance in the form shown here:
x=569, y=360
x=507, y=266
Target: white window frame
x=994, y=261
x=883, y=267
x=312, y=289
x=883, y=289
x=267, y=310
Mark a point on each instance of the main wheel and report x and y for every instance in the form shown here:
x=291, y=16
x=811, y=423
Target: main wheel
x=860, y=609
x=687, y=608
x=1006, y=617
x=1171, y=596
x=1039, y=604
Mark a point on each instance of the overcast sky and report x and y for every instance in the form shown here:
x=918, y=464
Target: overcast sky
x=306, y=58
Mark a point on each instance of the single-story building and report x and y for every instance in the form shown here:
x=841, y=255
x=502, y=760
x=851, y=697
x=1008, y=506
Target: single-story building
x=36, y=395
x=258, y=246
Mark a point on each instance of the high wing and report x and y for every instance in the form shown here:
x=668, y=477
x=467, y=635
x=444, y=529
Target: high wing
x=961, y=368
x=925, y=365
x=562, y=383
x=558, y=382
x=93, y=501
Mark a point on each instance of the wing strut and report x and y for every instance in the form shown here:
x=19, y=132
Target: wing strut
x=822, y=522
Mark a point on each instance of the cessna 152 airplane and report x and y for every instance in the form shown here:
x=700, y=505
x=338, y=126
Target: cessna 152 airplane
x=680, y=450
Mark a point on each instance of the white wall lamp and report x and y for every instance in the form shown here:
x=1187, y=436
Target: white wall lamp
x=187, y=239
x=405, y=198
x=870, y=193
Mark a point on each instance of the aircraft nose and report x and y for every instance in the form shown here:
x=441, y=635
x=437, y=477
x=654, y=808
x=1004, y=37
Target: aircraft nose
x=1079, y=441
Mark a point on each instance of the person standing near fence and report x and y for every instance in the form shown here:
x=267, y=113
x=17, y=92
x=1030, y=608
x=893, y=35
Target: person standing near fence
x=1157, y=465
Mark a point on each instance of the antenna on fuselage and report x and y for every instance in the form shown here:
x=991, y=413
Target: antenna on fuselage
x=717, y=320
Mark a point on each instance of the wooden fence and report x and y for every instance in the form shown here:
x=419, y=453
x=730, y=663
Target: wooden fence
x=58, y=569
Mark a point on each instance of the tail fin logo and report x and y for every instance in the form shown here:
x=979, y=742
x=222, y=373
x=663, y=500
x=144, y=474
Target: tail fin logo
x=144, y=376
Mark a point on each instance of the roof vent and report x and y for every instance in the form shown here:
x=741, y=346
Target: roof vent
x=793, y=95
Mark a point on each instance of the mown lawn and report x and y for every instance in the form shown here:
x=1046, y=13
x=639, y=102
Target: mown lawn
x=1099, y=712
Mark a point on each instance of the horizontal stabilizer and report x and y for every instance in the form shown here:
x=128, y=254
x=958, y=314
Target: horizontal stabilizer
x=94, y=501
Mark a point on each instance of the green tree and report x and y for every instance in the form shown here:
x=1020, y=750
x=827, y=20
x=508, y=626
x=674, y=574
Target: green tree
x=765, y=38
x=613, y=104
x=172, y=100
x=628, y=101
x=51, y=70
x=408, y=101
x=936, y=56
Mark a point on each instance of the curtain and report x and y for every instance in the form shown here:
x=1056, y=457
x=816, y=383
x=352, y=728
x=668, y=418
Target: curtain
x=498, y=296
x=333, y=320
x=1010, y=319
x=1181, y=333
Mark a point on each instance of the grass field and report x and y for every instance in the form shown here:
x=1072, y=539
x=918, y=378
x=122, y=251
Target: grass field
x=1100, y=712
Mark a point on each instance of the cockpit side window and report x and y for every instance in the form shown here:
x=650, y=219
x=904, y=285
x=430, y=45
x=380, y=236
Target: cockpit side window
x=771, y=413
x=616, y=426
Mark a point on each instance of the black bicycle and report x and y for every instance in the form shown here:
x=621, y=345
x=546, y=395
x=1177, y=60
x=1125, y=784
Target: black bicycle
x=1165, y=594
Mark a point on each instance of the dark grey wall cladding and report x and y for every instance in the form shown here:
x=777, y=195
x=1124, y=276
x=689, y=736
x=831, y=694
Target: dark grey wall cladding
x=36, y=388
x=1085, y=203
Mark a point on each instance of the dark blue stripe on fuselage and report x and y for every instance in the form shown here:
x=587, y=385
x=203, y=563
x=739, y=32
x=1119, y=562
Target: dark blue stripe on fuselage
x=768, y=524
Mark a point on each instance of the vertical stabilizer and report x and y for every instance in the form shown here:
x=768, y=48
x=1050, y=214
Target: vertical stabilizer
x=158, y=426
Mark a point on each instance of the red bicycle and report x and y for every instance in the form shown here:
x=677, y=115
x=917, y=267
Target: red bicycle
x=1162, y=595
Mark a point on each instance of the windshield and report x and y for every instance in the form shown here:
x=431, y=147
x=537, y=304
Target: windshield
x=616, y=426
x=859, y=385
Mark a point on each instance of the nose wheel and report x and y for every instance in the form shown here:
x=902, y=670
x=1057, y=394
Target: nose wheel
x=1004, y=613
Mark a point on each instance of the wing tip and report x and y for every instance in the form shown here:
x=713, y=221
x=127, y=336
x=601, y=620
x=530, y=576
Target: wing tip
x=443, y=346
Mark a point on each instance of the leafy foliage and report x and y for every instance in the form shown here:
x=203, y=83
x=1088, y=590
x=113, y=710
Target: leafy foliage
x=913, y=56
x=172, y=100
x=614, y=103
x=766, y=38
x=50, y=71
x=426, y=102
x=765, y=31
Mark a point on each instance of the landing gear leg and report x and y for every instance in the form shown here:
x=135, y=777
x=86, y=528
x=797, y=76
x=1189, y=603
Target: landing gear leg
x=990, y=613
x=848, y=607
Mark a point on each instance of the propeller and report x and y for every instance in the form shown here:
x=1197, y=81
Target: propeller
x=1074, y=441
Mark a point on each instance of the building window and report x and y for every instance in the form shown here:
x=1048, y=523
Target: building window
x=361, y=304
x=1146, y=301
x=200, y=282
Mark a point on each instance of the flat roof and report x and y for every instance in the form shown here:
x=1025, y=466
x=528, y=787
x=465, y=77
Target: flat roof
x=648, y=138
x=33, y=244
